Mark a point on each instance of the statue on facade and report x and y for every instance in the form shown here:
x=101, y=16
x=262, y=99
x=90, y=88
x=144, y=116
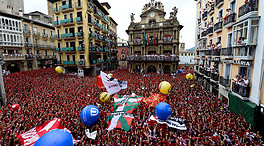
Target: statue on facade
x=132, y=17
x=175, y=11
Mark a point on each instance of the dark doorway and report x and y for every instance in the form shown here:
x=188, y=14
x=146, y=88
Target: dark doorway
x=152, y=68
x=13, y=67
x=167, y=69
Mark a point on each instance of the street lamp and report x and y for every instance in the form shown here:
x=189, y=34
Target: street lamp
x=2, y=87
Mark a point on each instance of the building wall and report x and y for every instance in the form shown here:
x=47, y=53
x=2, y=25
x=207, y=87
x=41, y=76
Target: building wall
x=88, y=28
x=12, y=6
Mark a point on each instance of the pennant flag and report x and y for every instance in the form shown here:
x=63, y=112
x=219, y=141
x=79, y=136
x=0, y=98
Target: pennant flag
x=31, y=136
x=154, y=99
x=100, y=83
x=112, y=85
x=172, y=122
x=147, y=38
x=157, y=41
x=144, y=39
x=121, y=116
x=90, y=135
x=154, y=39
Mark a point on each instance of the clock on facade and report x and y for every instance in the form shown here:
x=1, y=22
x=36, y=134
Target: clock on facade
x=152, y=14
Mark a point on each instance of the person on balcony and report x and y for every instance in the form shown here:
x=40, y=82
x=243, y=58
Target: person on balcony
x=219, y=19
x=228, y=13
x=218, y=45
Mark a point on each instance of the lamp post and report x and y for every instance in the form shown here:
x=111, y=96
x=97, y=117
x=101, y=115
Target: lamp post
x=2, y=87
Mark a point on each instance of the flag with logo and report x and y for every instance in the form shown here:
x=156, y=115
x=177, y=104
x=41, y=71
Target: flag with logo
x=144, y=38
x=90, y=135
x=154, y=99
x=121, y=113
x=31, y=136
x=157, y=38
x=172, y=122
x=111, y=84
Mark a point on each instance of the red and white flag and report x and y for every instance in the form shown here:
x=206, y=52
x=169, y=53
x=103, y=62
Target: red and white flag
x=30, y=137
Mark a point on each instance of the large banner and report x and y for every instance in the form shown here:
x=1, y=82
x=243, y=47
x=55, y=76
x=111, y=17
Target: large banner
x=31, y=136
x=112, y=85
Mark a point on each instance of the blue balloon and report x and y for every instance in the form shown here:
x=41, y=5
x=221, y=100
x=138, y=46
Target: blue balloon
x=180, y=71
x=163, y=111
x=90, y=115
x=56, y=137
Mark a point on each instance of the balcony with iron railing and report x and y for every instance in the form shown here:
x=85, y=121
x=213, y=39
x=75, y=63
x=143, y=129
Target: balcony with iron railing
x=218, y=27
x=90, y=22
x=98, y=14
x=225, y=82
x=13, y=57
x=25, y=31
x=210, y=31
x=29, y=45
x=81, y=62
x=227, y=52
x=244, y=52
x=56, y=10
x=202, y=52
x=67, y=22
x=248, y=9
x=204, y=15
x=45, y=35
x=80, y=48
x=216, y=52
x=98, y=26
x=166, y=58
x=219, y=3
x=36, y=33
x=79, y=20
x=67, y=8
x=214, y=76
x=69, y=62
x=67, y=35
x=58, y=49
x=241, y=90
x=79, y=34
x=56, y=23
x=207, y=73
x=230, y=20
x=39, y=56
x=89, y=7
x=91, y=36
x=208, y=52
x=204, y=33
x=211, y=10
x=68, y=49
x=137, y=42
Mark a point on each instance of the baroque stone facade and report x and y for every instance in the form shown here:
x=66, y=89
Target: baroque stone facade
x=154, y=42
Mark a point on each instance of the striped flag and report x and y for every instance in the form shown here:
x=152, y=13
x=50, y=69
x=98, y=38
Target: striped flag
x=121, y=116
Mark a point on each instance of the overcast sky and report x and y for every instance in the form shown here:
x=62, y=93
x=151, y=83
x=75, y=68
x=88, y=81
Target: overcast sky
x=121, y=10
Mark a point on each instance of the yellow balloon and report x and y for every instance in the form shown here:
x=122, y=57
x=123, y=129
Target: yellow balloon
x=104, y=97
x=189, y=76
x=165, y=87
x=59, y=69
